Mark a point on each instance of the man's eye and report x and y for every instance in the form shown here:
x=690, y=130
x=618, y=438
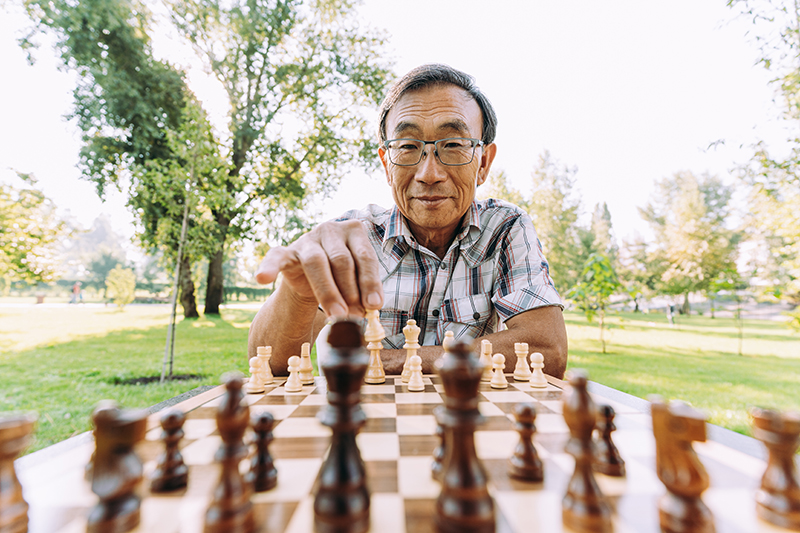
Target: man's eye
x=408, y=147
x=455, y=144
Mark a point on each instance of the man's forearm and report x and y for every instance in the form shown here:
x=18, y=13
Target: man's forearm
x=285, y=323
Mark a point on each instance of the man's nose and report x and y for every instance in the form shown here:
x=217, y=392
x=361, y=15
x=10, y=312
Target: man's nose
x=430, y=169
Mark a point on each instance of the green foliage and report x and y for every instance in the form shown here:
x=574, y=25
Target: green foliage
x=100, y=265
x=598, y=282
x=30, y=233
x=121, y=286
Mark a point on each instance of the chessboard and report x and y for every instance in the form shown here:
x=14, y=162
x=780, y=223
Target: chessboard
x=396, y=445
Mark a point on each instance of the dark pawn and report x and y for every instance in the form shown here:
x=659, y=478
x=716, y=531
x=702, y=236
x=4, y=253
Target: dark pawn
x=15, y=435
x=438, y=453
x=584, y=508
x=607, y=459
x=171, y=472
x=230, y=510
x=263, y=474
x=525, y=463
x=464, y=505
x=341, y=503
x=778, y=499
x=116, y=470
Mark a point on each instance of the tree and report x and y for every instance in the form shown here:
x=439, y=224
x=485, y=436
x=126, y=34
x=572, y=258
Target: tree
x=594, y=289
x=602, y=235
x=688, y=216
x=100, y=266
x=121, y=286
x=30, y=232
x=730, y=281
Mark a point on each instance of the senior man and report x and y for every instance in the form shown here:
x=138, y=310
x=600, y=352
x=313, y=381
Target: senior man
x=438, y=256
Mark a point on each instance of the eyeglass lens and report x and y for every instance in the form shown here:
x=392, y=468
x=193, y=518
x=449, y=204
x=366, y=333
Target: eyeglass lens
x=454, y=151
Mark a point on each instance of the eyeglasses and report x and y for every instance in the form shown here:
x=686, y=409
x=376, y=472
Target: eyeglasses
x=453, y=152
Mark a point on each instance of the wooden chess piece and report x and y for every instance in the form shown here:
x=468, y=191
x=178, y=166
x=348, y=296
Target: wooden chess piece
x=15, y=435
x=374, y=334
x=171, y=472
x=341, y=502
x=499, y=380
x=265, y=353
x=584, y=508
x=263, y=475
x=778, y=498
x=486, y=360
x=525, y=463
x=675, y=427
x=306, y=367
x=117, y=470
x=607, y=459
x=522, y=372
x=255, y=385
x=537, y=379
x=415, y=382
x=449, y=340
x=438, y=452
x=230, y=510
x=293, y=383
x=464, y=503
x=411, y=333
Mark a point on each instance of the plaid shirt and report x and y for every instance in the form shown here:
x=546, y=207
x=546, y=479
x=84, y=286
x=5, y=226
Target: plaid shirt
x=493, y=270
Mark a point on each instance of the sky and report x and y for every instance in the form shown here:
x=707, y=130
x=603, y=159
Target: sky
x=627, y=92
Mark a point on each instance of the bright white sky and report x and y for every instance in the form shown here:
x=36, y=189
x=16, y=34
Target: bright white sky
x=626, y=91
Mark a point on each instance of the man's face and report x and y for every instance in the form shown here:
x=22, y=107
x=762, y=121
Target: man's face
x=432, y=196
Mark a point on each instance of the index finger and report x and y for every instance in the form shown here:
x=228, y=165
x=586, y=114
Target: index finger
x=367, y=269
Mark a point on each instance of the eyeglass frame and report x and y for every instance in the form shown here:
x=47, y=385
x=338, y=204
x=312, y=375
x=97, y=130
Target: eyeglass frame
x=424, y=152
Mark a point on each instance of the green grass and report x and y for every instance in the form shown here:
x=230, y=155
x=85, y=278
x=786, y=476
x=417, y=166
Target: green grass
x=695, y=361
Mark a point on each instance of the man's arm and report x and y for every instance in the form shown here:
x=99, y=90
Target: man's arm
x=542, y=328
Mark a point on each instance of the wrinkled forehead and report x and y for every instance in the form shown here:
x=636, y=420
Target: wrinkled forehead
x=442, y=110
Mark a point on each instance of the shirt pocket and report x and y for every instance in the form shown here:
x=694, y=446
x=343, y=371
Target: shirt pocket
x=393, y=322
x=469, y=316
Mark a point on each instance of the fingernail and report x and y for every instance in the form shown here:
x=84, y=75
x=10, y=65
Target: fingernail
x=337, y=310
x=374, y=300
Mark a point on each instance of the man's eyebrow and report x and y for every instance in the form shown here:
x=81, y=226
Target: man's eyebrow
x=454, y=125
x=404, y=127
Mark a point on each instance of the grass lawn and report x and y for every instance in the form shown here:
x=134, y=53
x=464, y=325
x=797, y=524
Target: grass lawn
x=60, y=361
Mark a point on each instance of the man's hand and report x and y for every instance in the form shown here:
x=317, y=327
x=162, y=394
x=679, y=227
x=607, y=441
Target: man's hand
x=333, y=265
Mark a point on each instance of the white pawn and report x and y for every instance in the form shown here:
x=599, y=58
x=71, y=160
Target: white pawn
x=415, y=383
x=449, y=340
x=264, y=354
x=293, y=383
x=306, y=368
x=486, y=360
x=522, y=372
x=254, y=384
x=537, y=378
x=499, y=380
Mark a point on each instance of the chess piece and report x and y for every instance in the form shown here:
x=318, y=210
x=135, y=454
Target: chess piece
x=607, y=459
x=374, y=334
x=486, y=360
x=449, y=340
x=778, y=498
x=230, y=510
x=293, y=383
x=584, y=508
x=438, y=452
x=341, y=502
x=499, y=380
x=171, y=472
x=411, y=333
x=537, y=379
x=262, y=475
x=415, y=383
x=525, y=463
x=255, y=384
x=522, y=371
x=117, y=470
x=265, y=353
x=15, y=435
x=464, y=503
x=675, y=427
x=306, y=368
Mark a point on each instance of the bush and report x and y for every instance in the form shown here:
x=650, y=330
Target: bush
x=121, y=285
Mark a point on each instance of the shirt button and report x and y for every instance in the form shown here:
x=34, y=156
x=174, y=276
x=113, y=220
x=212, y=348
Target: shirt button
x=476, y=315
x=435, y=312
x=443, y=265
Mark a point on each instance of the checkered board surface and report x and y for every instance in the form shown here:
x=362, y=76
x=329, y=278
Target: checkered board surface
x=396, y=445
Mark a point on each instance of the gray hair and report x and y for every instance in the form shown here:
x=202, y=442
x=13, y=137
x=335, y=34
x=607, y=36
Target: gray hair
x=430, y=76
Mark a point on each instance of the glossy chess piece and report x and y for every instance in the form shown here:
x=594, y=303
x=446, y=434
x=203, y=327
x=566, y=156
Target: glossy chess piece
x=525, y=463
x=15, y=435
x=171, y=472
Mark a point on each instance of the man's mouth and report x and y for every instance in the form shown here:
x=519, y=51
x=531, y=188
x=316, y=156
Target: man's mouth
x=432, y=201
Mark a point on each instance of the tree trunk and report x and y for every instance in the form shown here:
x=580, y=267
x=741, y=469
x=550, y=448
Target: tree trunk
x=602, y=327
x=686, y=309
x=186, y=284
x=214, y=285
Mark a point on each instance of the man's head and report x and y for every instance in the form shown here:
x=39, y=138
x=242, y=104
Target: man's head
x=437, y=148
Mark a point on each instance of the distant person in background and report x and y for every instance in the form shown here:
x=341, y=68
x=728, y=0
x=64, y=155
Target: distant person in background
x=77, y=295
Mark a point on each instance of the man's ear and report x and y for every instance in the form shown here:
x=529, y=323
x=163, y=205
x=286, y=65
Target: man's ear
x=385, y=163
x=487, y=157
